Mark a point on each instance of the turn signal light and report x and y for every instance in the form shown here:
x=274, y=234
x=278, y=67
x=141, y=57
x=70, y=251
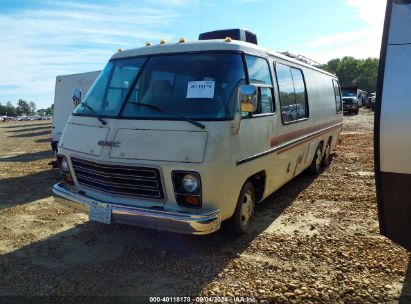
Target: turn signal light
x=192, y=200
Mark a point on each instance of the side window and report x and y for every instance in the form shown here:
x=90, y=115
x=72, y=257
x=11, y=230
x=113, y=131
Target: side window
x=266, y=100
x=259, y=74
x=293, y=93
x=300, y=93
x=337, y=94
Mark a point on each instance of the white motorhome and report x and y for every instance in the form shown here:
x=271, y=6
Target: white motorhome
x=393, y=125
x=63, y=103
x=183, y=136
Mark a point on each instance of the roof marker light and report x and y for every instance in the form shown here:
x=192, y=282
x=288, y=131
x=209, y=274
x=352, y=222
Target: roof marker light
x=162, y=41
x=181, y=40
x=148, y=43
x=119, y=50
x=227, y=39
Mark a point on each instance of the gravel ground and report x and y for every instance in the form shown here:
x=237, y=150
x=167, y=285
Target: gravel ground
x=315, y=240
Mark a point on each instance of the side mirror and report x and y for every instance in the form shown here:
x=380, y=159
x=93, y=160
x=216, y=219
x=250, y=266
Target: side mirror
x=76, y=97
x=247, y=96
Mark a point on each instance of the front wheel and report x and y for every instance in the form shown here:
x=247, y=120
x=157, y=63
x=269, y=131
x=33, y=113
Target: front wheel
x=239, y=223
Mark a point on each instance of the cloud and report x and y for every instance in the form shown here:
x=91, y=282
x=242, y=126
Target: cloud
x=361, y=43
x=60, y=38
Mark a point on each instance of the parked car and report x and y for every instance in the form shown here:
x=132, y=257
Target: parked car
x=293, y=112
x=371, y=101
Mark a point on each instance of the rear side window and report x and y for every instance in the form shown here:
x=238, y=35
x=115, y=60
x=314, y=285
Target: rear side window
x=259, y=74
x=337, y=94
x=293, y=93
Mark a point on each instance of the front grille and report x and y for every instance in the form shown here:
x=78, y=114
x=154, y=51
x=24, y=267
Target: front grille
x=348, y=101
x=119, y=180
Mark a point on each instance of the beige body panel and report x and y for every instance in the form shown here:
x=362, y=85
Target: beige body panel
x=79, y=138
x=182, y=146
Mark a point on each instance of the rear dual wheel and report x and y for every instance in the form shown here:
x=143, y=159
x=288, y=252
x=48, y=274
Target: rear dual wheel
x=326, y=161
x=315, y=166
x=320, y=159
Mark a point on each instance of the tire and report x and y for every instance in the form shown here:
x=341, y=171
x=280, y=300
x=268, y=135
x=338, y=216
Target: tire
x=239, y=222
x=315, y=166
x=326, y=161
x=357, y=111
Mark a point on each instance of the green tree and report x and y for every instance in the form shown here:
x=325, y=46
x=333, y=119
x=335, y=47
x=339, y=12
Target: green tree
x=33, y=108
x=49, y=111
x=368, y=76
x=23, y=107
x=333, y=65
x=350, y=70
x=2, y=109
x=41, y=112
x=10, y=109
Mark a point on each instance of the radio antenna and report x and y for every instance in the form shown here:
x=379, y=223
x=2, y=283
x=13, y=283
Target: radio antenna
x=201, y=18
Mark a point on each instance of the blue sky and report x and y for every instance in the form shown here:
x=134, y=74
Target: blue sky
x=43, y=38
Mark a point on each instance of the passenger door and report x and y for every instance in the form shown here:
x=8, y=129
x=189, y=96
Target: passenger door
x=257, y=128
x=393, y=125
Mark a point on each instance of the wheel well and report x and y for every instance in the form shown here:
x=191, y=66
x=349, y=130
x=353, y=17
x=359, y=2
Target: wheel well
x=258, y=181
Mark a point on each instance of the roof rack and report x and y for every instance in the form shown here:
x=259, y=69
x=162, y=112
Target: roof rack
x=303, y=59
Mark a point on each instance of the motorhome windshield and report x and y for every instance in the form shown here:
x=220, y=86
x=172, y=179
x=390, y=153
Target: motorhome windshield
x=190, y=85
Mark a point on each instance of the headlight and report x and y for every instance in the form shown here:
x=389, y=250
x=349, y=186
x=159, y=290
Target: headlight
x=64, y=166
x=187, y=188
x=64, y=169
x=190, y=183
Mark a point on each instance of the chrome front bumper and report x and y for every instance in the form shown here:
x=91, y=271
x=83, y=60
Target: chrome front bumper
x=174, y=221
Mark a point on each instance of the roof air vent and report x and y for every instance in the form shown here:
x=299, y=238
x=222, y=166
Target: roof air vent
x=236, y=34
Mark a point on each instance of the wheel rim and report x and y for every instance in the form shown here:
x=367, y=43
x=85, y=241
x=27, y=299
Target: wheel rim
x=247, y=208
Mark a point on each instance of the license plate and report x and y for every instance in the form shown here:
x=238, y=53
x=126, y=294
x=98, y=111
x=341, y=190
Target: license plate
x=100, y=213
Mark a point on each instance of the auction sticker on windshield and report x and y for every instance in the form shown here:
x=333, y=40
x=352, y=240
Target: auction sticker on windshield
x=100, y=213
x=200, y=89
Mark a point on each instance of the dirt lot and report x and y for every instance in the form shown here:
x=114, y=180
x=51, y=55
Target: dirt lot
x=315, y=240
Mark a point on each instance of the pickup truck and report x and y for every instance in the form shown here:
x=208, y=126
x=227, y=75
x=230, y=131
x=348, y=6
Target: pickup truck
x=350, y=101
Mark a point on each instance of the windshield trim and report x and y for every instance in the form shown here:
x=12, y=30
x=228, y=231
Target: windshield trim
x=119, y=115
x=153, y=118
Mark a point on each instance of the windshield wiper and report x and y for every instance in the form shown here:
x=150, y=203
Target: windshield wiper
x=196, y=123
x=101, y=120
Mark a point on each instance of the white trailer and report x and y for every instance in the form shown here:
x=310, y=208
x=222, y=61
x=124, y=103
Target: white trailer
x=63, y=103
x=183, y=136
x=393, y=125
